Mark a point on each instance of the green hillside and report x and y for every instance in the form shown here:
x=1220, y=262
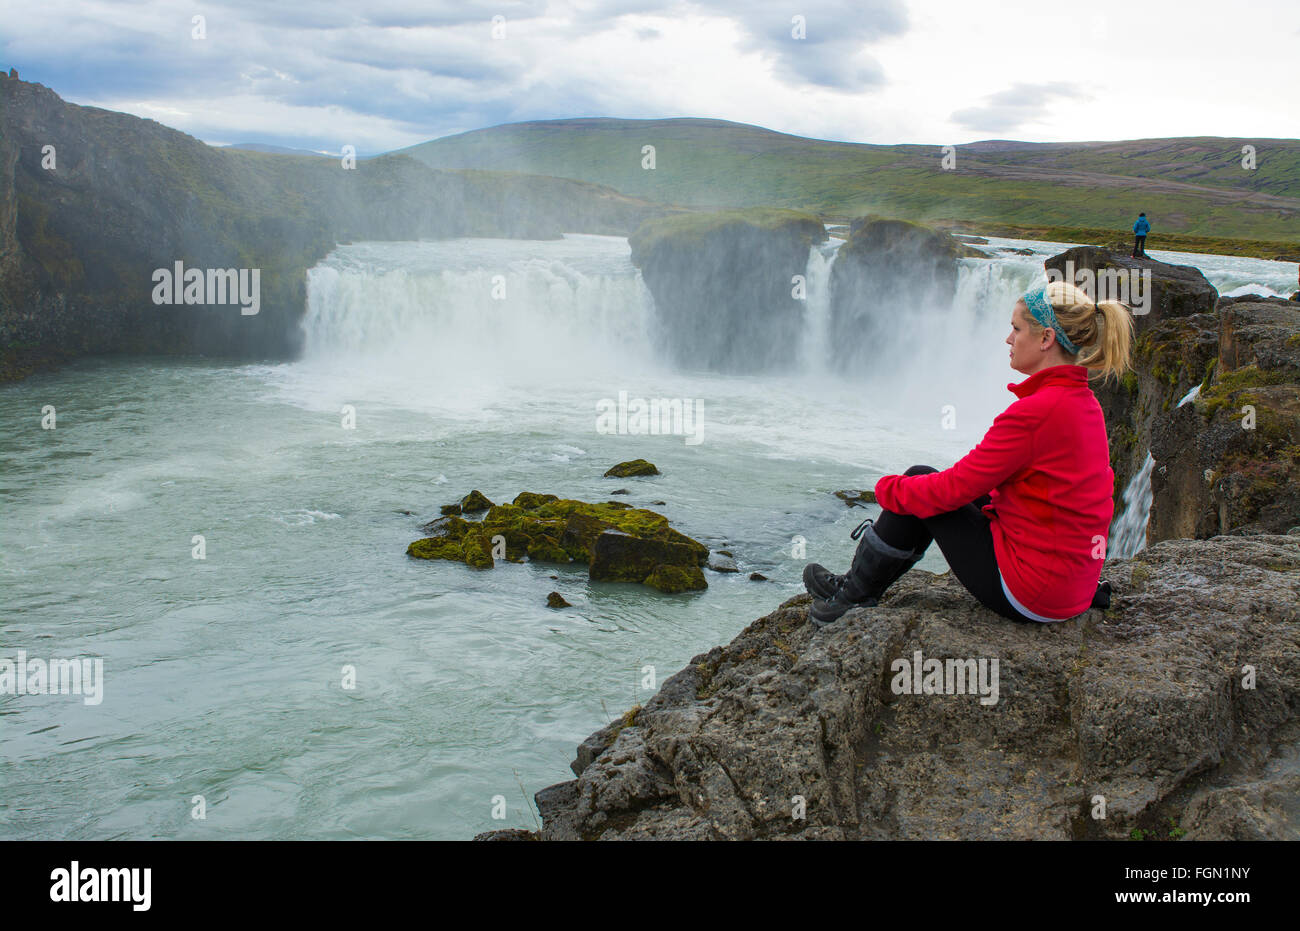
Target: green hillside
x=1194, y=186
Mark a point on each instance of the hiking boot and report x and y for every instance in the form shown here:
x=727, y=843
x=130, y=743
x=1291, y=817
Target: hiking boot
x=1101, y=599
x=820, y=581
x=876, y=566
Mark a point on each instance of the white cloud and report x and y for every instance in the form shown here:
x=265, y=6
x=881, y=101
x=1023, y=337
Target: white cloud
x=390, y=74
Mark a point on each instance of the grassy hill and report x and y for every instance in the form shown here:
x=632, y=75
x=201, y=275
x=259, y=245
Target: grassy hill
x=1194, y=186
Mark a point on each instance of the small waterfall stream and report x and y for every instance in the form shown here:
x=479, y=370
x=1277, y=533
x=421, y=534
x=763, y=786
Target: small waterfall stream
x=1128, y=535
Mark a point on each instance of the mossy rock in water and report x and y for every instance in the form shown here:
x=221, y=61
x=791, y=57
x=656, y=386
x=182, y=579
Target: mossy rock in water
x=580, y=534
x=547, y=549
x=474, y=502
x=632, y=467
x=431, y=548
x=529, y=500
x=452, y=526
x=477, y=548
x=556, y=600
x=674, y=579
x=621, y=557
x=449, y=509
x=547, y=528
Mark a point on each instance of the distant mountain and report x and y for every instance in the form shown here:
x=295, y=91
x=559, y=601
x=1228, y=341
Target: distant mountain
x=1192, y=185
x=273, y=149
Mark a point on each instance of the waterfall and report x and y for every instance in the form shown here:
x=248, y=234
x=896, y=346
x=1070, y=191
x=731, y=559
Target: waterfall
x=815, y=345
x=1190, y=395
x=488, y=308
x=1128, y=534
x=452, y=309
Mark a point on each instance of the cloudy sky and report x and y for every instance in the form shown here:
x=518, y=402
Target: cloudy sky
x=387, y=74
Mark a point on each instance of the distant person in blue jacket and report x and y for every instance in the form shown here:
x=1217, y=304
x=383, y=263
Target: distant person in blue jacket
x=1140, y=230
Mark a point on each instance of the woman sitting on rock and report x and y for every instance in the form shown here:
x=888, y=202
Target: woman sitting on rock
x=1023, y=517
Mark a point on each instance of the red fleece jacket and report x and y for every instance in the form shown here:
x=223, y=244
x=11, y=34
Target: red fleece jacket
x=1045, y=465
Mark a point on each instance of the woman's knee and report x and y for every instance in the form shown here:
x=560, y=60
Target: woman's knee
x=920, y=470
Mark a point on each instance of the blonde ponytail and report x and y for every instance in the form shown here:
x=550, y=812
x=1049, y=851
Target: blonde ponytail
x=1103, y=331
x=1110, y=353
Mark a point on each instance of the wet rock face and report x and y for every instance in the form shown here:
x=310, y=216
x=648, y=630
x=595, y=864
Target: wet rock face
x=1230, y=461
x=1260, y=331
x=787, y=733
x=622, y=557
x=1169, y=359
x=887, y=270
x=723, y=285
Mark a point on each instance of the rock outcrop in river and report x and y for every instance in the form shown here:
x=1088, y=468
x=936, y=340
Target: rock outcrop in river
x=617, y=542
x=1173, y=714
x=886, y=272
x=723, y=285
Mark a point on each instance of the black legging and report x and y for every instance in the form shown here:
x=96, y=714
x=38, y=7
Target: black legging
x=966, y=539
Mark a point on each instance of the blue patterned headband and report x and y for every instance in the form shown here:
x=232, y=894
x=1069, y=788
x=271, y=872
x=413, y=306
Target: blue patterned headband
x=1038, y=304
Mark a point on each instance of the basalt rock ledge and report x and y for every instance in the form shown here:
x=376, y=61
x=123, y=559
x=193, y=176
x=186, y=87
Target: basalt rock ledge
x=1175, y=709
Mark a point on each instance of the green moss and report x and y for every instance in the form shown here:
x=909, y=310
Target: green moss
x=530, y=500
x=1227, y=390
x=475, y=501
x=436, y=548
x=784, y=647
x=1249, y=376
x=674, y=579
x=627, y=720
x=1273, y=431
x=477, y=547
x=1168, y=375
x=504, y=515
x=631, y=468
x=1210, y=368
x=547, y=549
